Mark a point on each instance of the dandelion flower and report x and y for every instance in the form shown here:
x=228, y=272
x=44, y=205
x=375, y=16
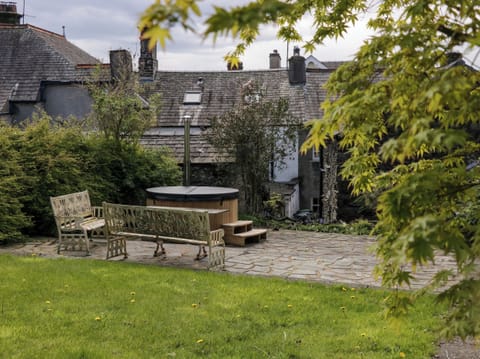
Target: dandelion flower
x=199, y=341
x=265, y=306
x=363, y=334
x=194, y=305
x=97, y=318
x=402, y=355
x=47, y=302
x=342, y=308
x=132, y=293
x=344, y=289
x=132, y=301
x=353, y=297
x=290, y=306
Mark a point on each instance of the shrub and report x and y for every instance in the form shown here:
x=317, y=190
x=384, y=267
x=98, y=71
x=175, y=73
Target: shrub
x=124, y=172
x=12, y=219
x=58, y=160
x=51, y=156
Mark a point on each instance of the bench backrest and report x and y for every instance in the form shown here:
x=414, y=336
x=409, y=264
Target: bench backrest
x=156, y=221
x=72, y=205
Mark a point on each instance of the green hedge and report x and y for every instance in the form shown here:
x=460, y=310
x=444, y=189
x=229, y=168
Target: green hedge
x=42, y=160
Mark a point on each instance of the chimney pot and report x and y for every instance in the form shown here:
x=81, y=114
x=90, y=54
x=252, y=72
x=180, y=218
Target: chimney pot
x=147, y=62
x=296, y=68
x=8, y=13
x=275, y=60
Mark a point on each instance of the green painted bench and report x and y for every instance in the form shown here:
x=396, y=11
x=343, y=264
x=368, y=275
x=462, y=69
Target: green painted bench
x=123, y=222
x=77, y=221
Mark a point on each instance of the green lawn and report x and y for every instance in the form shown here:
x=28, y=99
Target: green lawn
x=71, y=308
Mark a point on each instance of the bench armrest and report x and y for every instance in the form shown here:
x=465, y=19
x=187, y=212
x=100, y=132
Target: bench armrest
x=216, y=238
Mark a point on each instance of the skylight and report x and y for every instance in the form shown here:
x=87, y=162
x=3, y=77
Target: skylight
x=192, y=98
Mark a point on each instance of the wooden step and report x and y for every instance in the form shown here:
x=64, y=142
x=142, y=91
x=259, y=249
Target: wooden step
x=237, y=224
x=240, y=239
x=237, y=227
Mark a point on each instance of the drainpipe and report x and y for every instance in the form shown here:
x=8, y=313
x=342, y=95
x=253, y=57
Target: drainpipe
x=186, y=151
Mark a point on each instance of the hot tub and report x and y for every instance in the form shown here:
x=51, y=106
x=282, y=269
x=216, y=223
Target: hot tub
x=221, y=198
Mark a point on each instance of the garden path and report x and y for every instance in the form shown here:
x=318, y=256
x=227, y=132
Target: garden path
x=311, y=256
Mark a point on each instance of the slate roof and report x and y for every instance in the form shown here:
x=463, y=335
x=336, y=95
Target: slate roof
x=221, y=92
x=201, y=151
x=30, y=55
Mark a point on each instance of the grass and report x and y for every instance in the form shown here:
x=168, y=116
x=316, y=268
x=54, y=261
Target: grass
x=70, y=308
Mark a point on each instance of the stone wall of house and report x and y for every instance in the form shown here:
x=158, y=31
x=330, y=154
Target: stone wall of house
x=308, y=173
x=336, y=199
x=349, y=206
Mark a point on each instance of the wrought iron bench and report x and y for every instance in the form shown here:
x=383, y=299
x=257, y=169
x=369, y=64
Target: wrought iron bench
x=76, y=219
x=123, y=222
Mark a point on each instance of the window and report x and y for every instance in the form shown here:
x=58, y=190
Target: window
x=192, y=98
x=315, y=205
x=316, y=154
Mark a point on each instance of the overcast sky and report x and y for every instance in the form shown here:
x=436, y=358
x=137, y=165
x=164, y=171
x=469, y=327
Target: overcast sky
x=99, y=26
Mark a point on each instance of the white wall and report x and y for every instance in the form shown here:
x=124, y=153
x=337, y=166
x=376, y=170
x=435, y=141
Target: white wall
x=292, y=204
x=288, y=171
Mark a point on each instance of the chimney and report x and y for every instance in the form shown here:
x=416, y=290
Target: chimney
x=275, y=60
x=121, y=65
x=231, y=67
x=8, y=13
x=147, y=63
x=296, y=68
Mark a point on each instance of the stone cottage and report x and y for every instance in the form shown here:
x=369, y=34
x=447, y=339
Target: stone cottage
x=42, y=69
x=308, y=181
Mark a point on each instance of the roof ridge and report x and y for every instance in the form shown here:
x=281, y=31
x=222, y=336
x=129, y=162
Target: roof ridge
x=48, y=32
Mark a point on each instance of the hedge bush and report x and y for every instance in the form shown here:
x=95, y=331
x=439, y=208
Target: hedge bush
x=42, y=160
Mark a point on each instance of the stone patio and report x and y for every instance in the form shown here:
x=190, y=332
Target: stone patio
x=311, y=256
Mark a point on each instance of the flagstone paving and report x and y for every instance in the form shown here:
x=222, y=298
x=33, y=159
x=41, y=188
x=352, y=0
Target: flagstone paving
x=296, y=255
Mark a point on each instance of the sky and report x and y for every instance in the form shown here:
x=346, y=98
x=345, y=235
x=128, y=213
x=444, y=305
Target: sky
x=100, y=26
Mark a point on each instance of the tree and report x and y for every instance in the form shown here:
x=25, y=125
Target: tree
x=407, y=109
x=258, y=133
x=119, y=111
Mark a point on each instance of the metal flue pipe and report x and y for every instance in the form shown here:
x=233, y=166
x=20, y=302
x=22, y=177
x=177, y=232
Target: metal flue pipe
x=186, y=150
